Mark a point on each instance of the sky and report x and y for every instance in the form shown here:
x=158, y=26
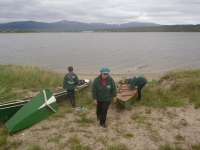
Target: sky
x=163, y=12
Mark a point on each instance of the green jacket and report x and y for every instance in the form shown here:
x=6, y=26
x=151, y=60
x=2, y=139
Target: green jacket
x=70, y=81
x=103, y=93
x=135, y=81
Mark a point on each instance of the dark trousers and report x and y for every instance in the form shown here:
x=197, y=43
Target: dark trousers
x=139, y=89
x=71, y=96
x=101, y=111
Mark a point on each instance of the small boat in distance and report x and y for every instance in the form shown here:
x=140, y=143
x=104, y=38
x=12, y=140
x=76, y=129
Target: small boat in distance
x=8, y=109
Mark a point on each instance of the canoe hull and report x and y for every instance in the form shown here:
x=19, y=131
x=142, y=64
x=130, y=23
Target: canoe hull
x=34, y=111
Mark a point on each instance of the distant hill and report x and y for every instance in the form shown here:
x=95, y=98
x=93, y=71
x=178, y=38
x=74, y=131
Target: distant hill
x=161, y=28
x=69, y=25
x=74, y=26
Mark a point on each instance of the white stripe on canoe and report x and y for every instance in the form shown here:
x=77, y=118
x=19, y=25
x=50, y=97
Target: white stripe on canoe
x=12, y=106
x=51, y=100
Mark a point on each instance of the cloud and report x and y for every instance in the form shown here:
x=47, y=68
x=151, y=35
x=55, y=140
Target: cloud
x=104, y=11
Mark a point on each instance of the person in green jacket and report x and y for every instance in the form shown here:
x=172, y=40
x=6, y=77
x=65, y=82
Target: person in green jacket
x=69, y=83
x=138, y=81
x=103, y=91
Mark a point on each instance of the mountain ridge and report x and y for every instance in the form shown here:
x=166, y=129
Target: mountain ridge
x=70, y=25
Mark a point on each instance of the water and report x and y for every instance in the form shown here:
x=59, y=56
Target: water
x=88, y=52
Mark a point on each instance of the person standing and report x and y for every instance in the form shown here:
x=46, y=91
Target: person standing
x=69, y=83
x=103, y=91
x=138, y=81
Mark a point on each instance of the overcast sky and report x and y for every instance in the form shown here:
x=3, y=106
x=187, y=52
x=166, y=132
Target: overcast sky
x=164, y=12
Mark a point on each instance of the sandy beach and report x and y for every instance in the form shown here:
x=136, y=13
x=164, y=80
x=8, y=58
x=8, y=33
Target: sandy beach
x=117, y=77
x=140, y=128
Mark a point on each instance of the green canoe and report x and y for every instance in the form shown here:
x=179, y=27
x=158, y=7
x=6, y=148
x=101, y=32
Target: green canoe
x=8, y=109
x=38, y=108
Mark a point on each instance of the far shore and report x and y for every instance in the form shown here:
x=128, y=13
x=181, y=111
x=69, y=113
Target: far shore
x=117, y=77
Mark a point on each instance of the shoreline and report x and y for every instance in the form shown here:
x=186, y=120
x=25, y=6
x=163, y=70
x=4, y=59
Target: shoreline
x=117, y=77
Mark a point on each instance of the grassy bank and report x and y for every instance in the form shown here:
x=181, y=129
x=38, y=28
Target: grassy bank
x=17, y=81
x=174, y=89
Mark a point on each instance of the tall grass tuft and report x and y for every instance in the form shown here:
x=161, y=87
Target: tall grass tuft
x=15, y=81
x=181, y=87
x=3, y=136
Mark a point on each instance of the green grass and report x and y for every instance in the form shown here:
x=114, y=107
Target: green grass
x=168, y=147
x=35, y=147
x=117, y=147
x=179, y=137
x=83, y=119
x=74, y=143
x=196, y=147
x=139, y=118
x=184, y=87
x=4, y=143
x=16, y=81
x=84, y=97
x=128, y=135
x=45, y=128
x=3, y=135
x=101, y=139
x=55, y=138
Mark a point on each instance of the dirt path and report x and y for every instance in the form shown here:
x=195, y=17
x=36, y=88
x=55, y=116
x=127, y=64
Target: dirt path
x=140, y=128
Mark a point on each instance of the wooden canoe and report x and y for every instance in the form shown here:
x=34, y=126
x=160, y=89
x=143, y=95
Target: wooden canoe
x=126, y=96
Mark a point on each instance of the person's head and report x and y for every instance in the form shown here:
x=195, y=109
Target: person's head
x=104, y=72
x=70, y=68
x=126, y=81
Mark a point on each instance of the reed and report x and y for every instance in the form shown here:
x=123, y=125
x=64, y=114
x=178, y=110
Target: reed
x=17, y=81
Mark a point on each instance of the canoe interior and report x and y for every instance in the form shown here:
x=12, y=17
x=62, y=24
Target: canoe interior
x=8, y=109
x=126, y=96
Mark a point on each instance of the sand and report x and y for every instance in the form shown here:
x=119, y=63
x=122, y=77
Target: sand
x=117, y=77
x=139, y=128
x=136, y=129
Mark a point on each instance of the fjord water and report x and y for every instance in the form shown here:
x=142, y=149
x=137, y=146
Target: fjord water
x=123, y=53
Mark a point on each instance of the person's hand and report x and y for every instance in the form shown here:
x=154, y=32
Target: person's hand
x=114, y=99
x=95, y=102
